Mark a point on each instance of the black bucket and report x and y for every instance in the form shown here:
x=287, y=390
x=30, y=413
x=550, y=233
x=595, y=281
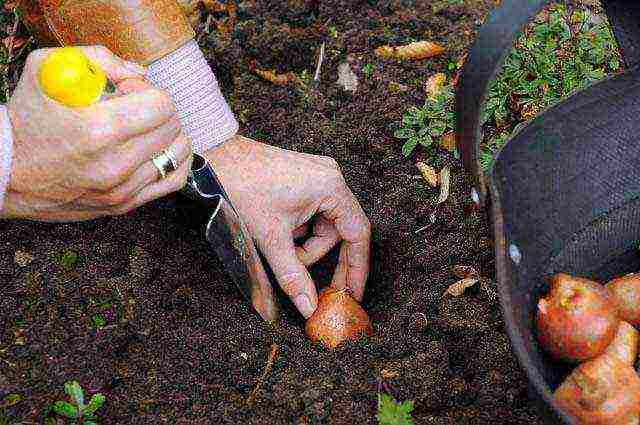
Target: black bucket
x=564, y=192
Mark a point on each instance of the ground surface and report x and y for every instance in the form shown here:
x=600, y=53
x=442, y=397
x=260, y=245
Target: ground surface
x=180, y=345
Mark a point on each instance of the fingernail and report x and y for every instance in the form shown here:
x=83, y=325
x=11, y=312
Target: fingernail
x=134, y=67
x=304, y=305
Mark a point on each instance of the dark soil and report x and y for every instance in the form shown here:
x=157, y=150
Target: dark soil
x=180, y=345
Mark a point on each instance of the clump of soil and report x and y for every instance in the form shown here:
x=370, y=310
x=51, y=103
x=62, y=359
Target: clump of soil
x=180, y=345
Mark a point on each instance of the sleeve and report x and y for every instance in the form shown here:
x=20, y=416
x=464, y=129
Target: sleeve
x=6, y=152
x=185, y=74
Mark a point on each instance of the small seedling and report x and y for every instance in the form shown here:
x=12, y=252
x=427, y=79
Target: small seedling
x=333, y=31
x=421, y=125
x=390, y=412
x=79, y=412
x=367, y=70
x=98, y=321
x=66, y=258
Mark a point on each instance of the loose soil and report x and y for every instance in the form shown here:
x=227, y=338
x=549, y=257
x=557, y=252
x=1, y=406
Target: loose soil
x=180, y=345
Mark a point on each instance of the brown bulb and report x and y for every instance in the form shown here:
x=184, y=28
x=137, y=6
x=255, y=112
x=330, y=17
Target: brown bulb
x=337, y=319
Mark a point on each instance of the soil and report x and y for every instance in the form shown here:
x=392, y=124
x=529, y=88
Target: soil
x=181, y=346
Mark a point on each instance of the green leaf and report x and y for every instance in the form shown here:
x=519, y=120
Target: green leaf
x=74, y=390
x=426, y=141
x=11, y=400
x=404, y=133
x=391, y=412
x=67, y=258
x=98, y=321
x=65, y=409
x=96, y=402
x=409, y=146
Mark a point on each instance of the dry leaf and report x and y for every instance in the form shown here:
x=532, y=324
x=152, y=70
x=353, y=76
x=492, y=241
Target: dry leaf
x=417, y=50
x=428, y=173
x=460, y=286
x=434, y=85
x=388, y=374
x=17, y=42
x=448, y=141
x=23, y=258
x=270, y=75
x=464, y=272
x=445, y=176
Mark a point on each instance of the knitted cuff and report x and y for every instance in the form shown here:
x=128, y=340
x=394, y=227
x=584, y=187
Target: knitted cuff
x=205, y=115
x=6, y=152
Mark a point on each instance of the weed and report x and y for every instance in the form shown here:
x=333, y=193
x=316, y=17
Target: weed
x=78, y=410
x=552, y=60
x=421, y=125
x=333, y=31
x=66, y=258
x=367, y=70
x=390, y=412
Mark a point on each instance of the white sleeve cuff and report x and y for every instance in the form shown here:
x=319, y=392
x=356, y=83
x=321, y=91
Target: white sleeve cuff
x=6, y=152
x=205, y=115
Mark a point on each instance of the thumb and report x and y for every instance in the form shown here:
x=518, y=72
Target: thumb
x=292, y=275
x=116, y=68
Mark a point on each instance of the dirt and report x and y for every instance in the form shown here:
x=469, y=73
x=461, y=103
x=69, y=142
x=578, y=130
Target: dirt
x=181, y=346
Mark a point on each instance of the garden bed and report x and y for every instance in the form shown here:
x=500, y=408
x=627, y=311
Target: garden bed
x=134, y=307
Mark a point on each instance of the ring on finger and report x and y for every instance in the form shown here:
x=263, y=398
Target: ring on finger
x=172, y=158
x=164, y=163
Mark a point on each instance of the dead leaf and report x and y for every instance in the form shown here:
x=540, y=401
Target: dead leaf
x=23, y=259
x=347, y=79
x=428, y=173
x=445, y=176
x=389, y=374
x=270, y=75
x=434, y=85
x=448, y=141
x=412, y=51
x=464, y=272
x=460, y=286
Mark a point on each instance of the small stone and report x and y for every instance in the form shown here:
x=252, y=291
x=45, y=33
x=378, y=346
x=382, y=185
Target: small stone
x=23, y=258
x=244, y=356
x=347, y=79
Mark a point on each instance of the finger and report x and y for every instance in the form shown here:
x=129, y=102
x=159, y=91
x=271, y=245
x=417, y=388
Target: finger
x=145, y=175
x=325, y=237
x=114, y=165
x=292, y=275
x=354, y=228
x=172, y=183
x=131, y=85
x=116, y=68
x=340, y=276
x=121, y=118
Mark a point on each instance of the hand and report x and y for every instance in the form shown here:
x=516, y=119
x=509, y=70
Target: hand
x=83, y=163
x=277, y=192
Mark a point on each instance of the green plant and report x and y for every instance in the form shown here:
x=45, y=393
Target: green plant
x=98, y=321
x=558, y=54
x=390, y=412
x=333, y=31
x=421, y=125
x=79, y=410
x=66, y=258
x=367, y=70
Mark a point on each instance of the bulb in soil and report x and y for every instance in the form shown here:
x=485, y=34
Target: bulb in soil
x=601, y=391
x=577, y=320
x=337, y=319
x=625, y=293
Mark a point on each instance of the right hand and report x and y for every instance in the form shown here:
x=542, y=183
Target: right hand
x=82, y=163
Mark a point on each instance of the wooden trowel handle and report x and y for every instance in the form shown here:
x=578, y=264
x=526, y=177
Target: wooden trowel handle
x=141, y=31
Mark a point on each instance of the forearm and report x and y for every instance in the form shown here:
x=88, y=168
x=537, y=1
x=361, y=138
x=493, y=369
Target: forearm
x=6, y=152
x=205, y=115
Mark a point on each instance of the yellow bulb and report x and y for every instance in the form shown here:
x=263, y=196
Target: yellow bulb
x=68, y=76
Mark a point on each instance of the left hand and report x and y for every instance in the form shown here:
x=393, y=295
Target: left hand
x=277, y=192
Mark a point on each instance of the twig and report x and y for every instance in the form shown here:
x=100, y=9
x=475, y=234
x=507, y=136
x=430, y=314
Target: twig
x=265, y=374
x=423, y=228
x=316, y=77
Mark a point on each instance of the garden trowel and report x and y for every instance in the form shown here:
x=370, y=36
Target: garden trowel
x=229, y=238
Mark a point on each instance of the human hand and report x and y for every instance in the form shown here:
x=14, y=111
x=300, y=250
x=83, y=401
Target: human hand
x=82, y=163
x=277, y=192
